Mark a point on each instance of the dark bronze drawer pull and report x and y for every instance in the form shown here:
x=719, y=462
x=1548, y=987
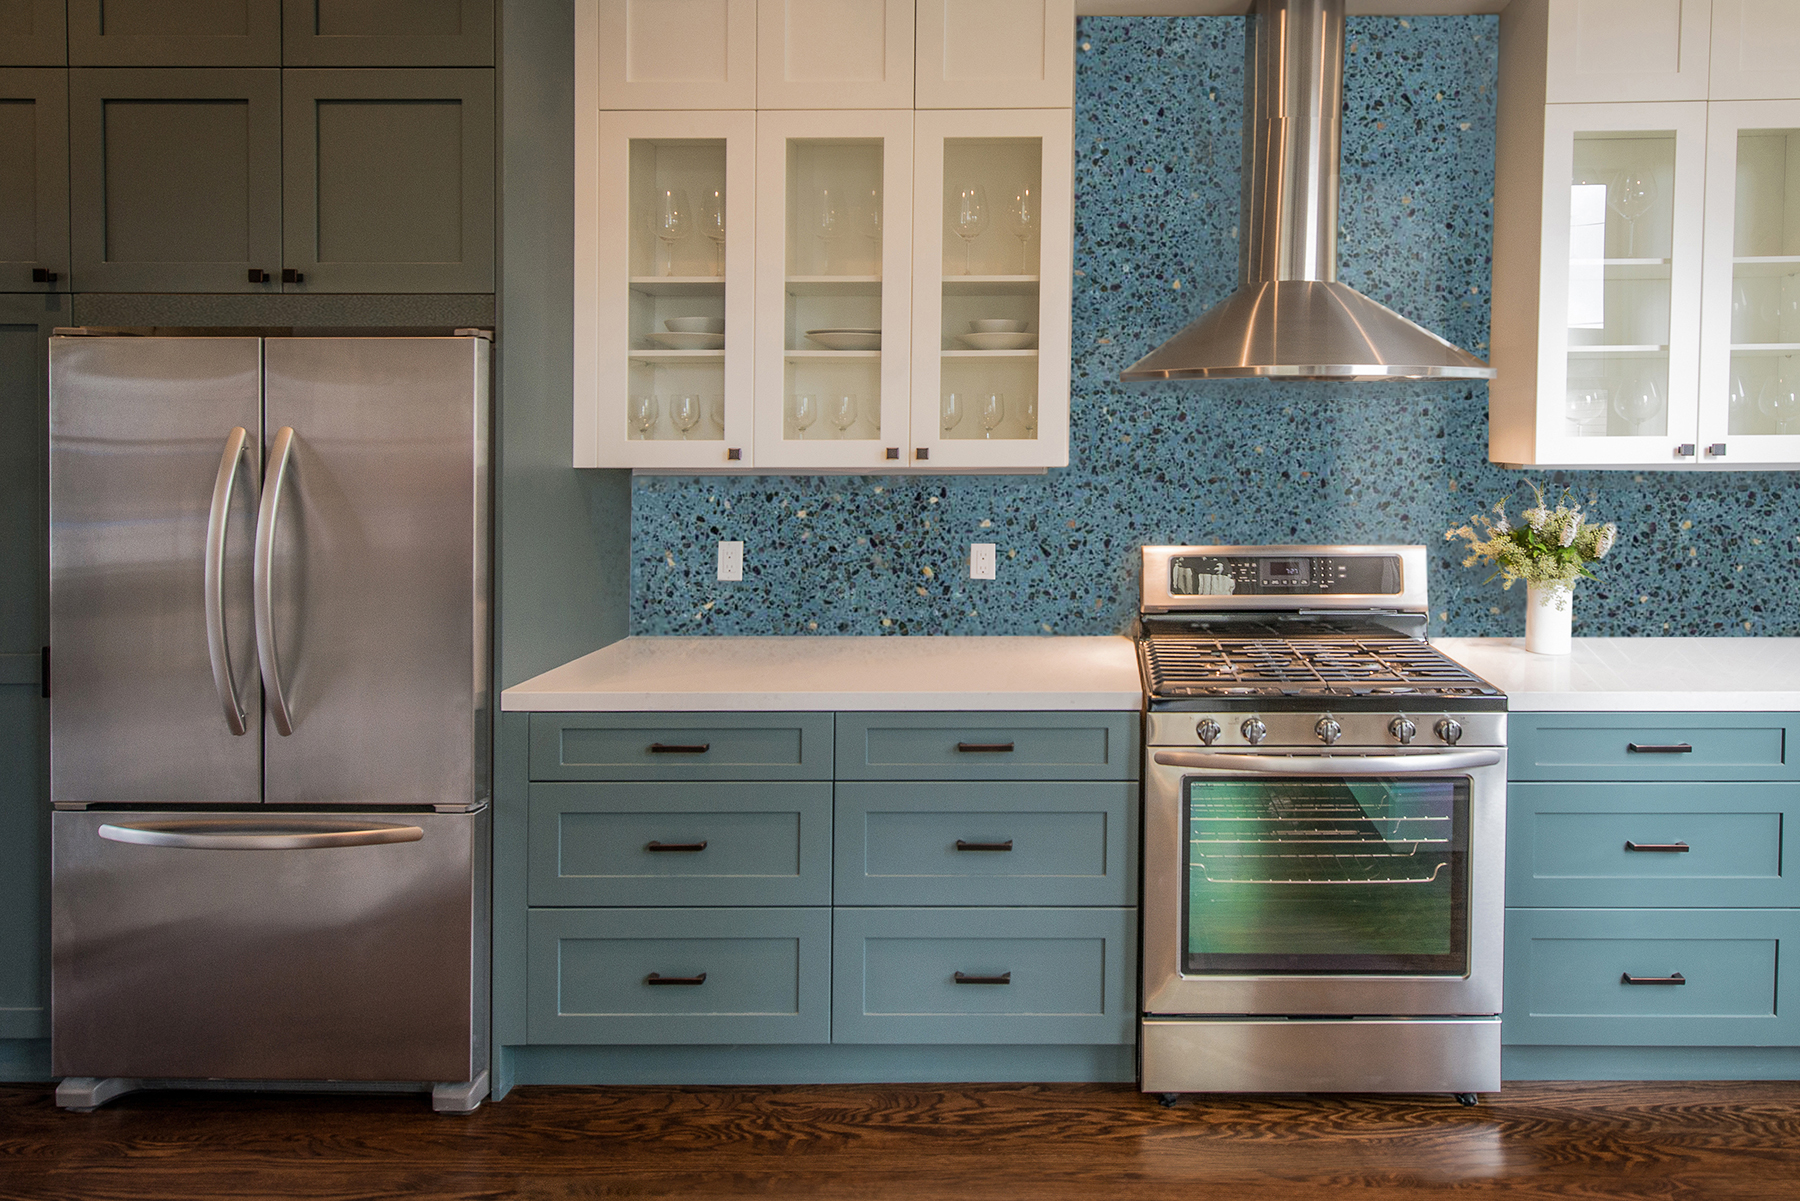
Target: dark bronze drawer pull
x=1660, y=748
x=1656, y=846
x=693, y=846
x=984, y=748
x=680, y=748
x=1002, y=978
x=1675, y=978
x=984, y=846
x=657, y=978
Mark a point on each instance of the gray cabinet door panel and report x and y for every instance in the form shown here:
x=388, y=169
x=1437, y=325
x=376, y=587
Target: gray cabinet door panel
x=32, y=33
x=177, y=179
x=1648, y=746
x=388, y=33
x=388, y=180
x=175, y=33
x=681, y=746
x=34, y=183
x=987, y=746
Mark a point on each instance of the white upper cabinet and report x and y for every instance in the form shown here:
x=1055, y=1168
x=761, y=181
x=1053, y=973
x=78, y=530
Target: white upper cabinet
x=976, y=54
x=1755, y=50
x=1605, y=50
x=834, y=54
x=682, y=54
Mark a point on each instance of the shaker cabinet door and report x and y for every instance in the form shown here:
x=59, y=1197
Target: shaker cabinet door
x=175, y=33
x=651, y=54
x=1625, y=50
x=411, y=33
x=996, y=54
x=826, y=54
x=34, y=187
x=176, y=178
x=1755, y=50
x=388, y=180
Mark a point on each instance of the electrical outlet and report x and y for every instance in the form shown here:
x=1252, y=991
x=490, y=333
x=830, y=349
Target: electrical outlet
x=981, y=560
x=731, y=560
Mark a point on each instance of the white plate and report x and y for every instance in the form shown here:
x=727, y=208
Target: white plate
x=689, y=341
x=846, y=339
x=996, y=341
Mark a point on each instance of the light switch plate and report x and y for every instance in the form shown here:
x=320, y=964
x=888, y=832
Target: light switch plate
x=731, y=560
x=981, y=560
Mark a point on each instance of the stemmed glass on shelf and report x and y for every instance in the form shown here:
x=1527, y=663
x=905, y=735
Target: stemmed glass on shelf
x=829, y=225
x=674, y=221
x=712, y=223
x=1631, y=195
x=684, y=412
x=869, y=222
x=971, y=219
x=715, y=411
x=951, y=414
x=993, y=412
x=643, y=412
x=841, y=409
x=806, y=411
x=1023, y=217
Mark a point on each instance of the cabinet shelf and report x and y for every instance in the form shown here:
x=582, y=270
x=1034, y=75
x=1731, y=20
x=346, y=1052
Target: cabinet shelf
x=678, y=285
x=679, y=356
x=1765, y=348
x=1627, y=268
x=990, y=285
x=834, y=285
x=831, y=354
x=1620, y=352
x=990, y=354
x=1765, y=265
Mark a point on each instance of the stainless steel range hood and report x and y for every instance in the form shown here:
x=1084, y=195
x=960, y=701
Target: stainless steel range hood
x=1289, y=317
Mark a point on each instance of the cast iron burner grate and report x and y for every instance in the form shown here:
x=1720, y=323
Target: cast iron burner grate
x=1188, y=663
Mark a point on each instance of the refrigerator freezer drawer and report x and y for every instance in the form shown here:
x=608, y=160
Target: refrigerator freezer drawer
x=267, y=945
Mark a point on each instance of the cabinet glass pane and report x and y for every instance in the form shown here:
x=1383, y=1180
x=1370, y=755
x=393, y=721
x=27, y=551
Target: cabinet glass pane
x=677, y=304
x=833, y=337
x=992, y=213
x=1765, y=285
x=1621, y=233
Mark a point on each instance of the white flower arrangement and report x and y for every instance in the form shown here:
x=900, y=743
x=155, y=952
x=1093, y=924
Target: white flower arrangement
x=1552, y=548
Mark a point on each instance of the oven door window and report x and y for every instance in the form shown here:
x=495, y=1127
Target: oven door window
x=1311, y=876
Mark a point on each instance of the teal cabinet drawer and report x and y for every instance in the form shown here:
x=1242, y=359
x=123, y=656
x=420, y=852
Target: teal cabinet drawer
x=985, y=844
x=1565, y=972
x=1596, y=845
x=1599, y=746
x=1029, y=976
x=767, y=975
x=681, y=746
x=987, y=746
x=680, y=844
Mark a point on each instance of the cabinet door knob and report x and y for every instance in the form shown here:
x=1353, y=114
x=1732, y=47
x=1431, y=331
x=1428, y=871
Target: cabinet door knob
x=893, y=452
x=41, y=276
x=1685, y=451
x=258, y=275
x=291, y=276
x=923, y=452
x=1716, y=450
x=735, y=454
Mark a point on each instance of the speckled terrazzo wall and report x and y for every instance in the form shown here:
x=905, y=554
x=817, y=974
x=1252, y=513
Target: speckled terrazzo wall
x=1158, y=105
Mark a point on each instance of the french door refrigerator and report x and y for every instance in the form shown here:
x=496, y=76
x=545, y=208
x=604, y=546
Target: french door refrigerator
x=269, y=720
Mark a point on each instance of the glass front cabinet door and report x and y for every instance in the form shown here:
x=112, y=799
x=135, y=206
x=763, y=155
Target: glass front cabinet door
x=990, y=302
x=665, y=328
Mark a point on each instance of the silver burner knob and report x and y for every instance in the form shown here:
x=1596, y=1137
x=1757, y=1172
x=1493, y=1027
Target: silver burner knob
x=1328, y=731
x=1450, y=731
x=1254, y=730
x=1403, y=729
x=1209, y=731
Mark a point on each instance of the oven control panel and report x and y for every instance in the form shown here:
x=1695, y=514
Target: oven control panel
x=1285, y=575
x=1316, y=730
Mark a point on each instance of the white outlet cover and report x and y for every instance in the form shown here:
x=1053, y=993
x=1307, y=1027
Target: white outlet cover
x=981, y=560
x=731, y=560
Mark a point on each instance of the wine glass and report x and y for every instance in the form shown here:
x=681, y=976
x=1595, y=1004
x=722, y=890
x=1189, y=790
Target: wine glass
x=684, y=412
x=1738, y=405
x=868, y=221
x=1031, y=415
x=993, y=412
x=1023, y=217
x=1586, y=410
x=644, y=410
x=806, y=411
x=712, y=224
x=829, y=225
x=674, y=221
x=1631, y=196
x=971, y=219
x=950, y=415
x=715, y=411
x=1638, y=401
x=841, y=409
x=1780, y=399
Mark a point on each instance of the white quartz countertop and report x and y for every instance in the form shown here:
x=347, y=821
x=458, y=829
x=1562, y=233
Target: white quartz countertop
x=1655, y=674
x=835, y=673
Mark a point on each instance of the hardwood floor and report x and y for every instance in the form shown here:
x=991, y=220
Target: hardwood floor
x=1043, y=1142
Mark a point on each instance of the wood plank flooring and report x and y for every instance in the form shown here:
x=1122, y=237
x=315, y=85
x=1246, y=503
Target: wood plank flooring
x=911, y=1142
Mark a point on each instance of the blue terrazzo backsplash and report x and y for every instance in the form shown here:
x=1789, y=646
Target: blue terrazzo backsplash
x=1158, y=106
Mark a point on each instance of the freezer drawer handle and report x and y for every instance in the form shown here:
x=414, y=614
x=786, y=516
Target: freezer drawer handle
x=1430, y=763
x=228, y=834
x=1002, y=978
x=1672, y=978
x=263, y=579
x=658, y=978
x=218, y=650
x=1674, y=847
x=984, y=846
x=680, y=748
x=984, y=748
x=1664, y=748
x=675, y=846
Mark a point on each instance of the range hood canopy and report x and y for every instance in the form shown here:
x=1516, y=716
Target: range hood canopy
x=1289, y=317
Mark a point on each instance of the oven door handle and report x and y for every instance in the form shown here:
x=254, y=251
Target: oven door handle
x=1333, y=765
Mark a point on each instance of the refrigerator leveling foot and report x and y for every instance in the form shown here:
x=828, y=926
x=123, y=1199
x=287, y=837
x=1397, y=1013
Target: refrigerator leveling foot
x=84, y=1094
x=1167, y=1100
x=460, y=1098
x=1467, y=1099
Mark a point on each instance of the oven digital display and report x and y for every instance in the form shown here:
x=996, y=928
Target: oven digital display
x=1285, y=571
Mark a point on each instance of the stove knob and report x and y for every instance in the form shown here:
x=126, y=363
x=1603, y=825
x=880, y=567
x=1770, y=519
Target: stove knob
x=1328, y=731
x=1403, y=729
x=1254, y=730
x=1209, y=731
x=1450, y=731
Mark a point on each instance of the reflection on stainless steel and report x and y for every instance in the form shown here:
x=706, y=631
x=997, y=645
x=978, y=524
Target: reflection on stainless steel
x=268, y=650
x=1290, y=317
x=1273, y=1055
x=1425, y=762
x=258, y=834
x=218, y=649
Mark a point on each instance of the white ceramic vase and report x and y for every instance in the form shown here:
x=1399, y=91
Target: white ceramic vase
x=1549, y=614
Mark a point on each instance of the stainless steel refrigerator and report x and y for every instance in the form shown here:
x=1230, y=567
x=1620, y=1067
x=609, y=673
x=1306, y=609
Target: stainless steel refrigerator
x=269, y=728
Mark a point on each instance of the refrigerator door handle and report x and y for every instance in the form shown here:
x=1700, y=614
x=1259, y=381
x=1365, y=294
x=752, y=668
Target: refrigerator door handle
x=218, y=650
x=263, y=577
x=254, y=835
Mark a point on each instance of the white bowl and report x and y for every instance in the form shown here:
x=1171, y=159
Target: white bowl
x=696, y=325
x=997, y=325
x=997, y=341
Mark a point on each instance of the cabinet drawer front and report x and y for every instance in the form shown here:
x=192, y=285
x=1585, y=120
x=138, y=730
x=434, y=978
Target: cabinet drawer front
x=681, y=746
x=767, y=975
x=987, y=746
x=985, y=844
x=1565, y=972
x=681, y=844
x=1067, y=972
x=1598, y=746
x=1615, y=845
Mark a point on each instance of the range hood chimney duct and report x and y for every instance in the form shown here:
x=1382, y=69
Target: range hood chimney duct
x=1289, y=317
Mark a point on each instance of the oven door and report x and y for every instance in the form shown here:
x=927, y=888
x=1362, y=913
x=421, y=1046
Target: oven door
x=1324, y=885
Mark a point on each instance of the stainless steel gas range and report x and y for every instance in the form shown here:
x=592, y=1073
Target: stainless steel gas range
x=1324, y=830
